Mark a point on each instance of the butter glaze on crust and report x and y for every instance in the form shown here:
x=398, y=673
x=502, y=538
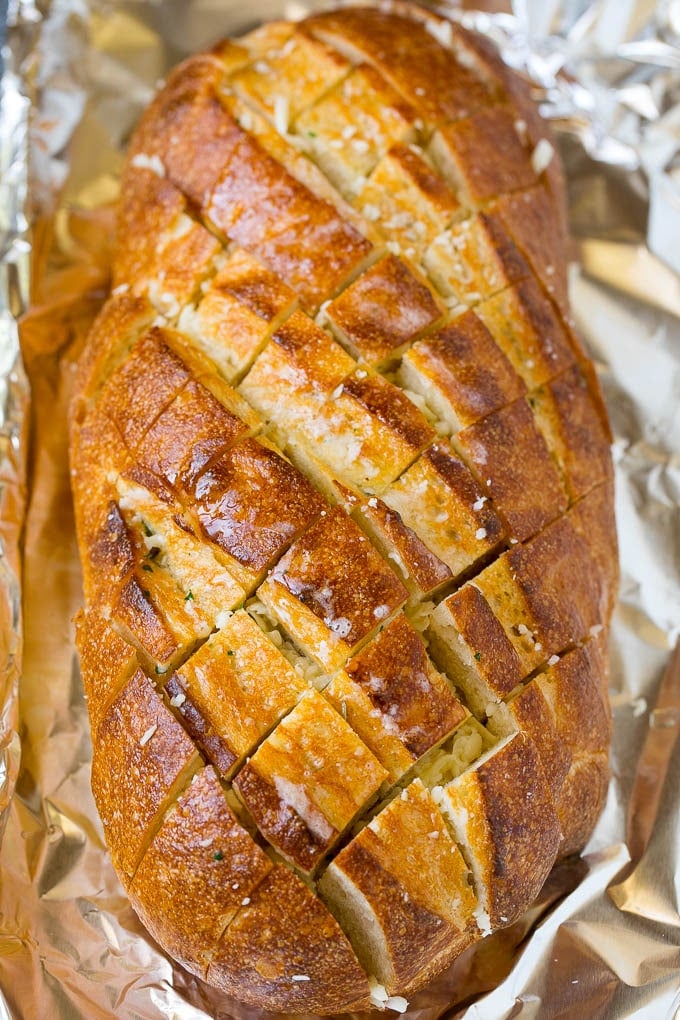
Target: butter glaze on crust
x=343, y=495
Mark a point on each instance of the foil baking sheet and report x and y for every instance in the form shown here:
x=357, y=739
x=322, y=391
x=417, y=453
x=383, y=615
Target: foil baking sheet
x=604, y=938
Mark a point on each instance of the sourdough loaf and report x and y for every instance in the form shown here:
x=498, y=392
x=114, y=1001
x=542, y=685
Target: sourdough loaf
x=344, y=504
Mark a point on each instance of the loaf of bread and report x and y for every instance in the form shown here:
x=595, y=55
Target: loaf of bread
x=343, y=494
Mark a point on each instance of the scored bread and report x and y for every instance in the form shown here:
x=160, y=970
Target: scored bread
x=343, y=495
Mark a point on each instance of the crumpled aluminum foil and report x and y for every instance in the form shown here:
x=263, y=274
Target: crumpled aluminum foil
x=604, y=939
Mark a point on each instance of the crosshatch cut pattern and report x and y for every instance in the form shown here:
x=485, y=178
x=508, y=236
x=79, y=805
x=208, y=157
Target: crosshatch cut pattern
x=344, y=504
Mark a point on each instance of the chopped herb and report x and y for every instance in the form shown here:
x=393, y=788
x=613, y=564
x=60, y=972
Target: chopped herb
x=189, y=597
x=230, y=651
x=146, y=593
x=478, y=656
x=147, y=567
x=218, y=855
x=158, y=670
x=312, y=134
x=147, y=530
x=152, y=553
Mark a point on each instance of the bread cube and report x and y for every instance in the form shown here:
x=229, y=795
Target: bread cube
x=461, y=372
x=233, y=690
x=141, y=760
x=307, y=782
x=416, y=913
x=395, y=699
x=441, y=501
x=332, y=590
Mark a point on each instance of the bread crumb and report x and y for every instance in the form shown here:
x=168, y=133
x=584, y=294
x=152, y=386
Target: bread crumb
x=281, y=114
x=440, y=30
x=483, y=920
x=178, y=699
x=378, y=992
x=398, y=1003
x=639, y=707
x=146, y=737
x=542, y=156
x=480, y=533
x=143, y=162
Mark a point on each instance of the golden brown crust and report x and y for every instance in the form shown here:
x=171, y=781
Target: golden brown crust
x=307, y=781
x=418, y=567
x=406, y=201
x=332, y=590
x=532, y=713
x=280, y=949
x=196, y=872
x=192, y=430
x=335, y=403
x=495, y=447
x=440, y=500
x=503, y=812
x=253, y=537
x=413, y=701
x=415, y=913
x=529, y=218
x=106, y=662
x=121, y=321
x=581, y=801
x=161, y=251
x=141, y=758
x=462, y=372
x=386, y=308
x=475, y=259
x=424, y=72
x=232, y=691
x=469, y=642
x=466, y=151
x=528, y=330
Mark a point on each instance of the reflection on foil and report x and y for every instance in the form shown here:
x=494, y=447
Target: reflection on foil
x=14, y=262
x=602, y=939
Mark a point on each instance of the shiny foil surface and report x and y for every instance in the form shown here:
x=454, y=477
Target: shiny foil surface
x=603, y=941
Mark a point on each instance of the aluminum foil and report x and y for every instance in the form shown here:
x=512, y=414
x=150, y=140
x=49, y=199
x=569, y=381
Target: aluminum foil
x=604, y=938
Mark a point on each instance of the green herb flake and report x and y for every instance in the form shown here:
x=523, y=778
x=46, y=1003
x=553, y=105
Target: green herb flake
x=189, y=597
x=230, y=651
x=146, y=593
x=147, y=530
x=478, y=656
x=218, y=855
x=312, y=134
x=147, y=567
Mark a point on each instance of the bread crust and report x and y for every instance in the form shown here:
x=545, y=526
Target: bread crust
x=343, y=496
